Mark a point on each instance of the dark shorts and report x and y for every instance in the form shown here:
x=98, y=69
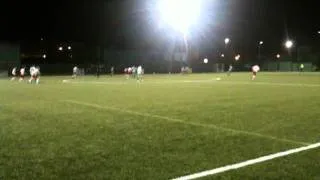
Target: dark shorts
x=254, y=73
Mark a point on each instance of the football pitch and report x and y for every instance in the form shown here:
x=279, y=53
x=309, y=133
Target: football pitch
x=166, y=127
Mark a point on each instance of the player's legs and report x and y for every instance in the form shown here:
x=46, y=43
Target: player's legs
x=13, y=78
x=139, y=77
x=37, y=80
x=21, y=78
x=254, y=74
x=31, y=79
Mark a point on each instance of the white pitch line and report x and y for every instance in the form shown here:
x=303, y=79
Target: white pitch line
x=247, y=163
x=189, y=123
x=198, y=81
x=273, y=84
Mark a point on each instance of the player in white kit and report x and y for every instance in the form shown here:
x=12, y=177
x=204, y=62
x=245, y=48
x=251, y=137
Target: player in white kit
x=139, y=73
x=14, y=73
x=75, y=72
x=35, y=74
x=255, y=70
x=22, y=73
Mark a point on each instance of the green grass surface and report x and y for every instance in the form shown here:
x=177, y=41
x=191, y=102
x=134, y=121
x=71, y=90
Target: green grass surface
x=165, y=127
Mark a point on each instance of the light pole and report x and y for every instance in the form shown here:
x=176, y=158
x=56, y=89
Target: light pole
x=226, y=42
x=278, y=64
x=289, y=44
x=259, y=50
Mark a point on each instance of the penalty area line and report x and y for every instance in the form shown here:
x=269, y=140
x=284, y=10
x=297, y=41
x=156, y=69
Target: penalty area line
x=247, y=163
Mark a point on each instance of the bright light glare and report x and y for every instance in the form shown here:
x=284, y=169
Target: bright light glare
x=278, y=56
x=226, y=40
x=44, y=56
x=69, y=47
x=222, y=55
x=289, y=44
x=205, y=61
x=237, y=58
x=180, y=14
x=60, y=48
x=261, y=42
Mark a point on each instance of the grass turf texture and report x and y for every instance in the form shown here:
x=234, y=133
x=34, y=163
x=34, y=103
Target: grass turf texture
x=165, y=127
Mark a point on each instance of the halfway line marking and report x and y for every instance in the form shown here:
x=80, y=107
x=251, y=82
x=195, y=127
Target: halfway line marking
x=189, y=123
x=247, y=163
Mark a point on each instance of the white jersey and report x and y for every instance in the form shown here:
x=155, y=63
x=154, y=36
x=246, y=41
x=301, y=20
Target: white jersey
x=35, y=72
x=22, y=71
x=139, y=70
x=32, y=69
x=75, y=69
x=14, y=71
x=255, y=68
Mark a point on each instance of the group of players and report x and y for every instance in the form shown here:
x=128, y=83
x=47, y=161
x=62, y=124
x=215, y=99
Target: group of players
x=34, y=74
x=135, y=72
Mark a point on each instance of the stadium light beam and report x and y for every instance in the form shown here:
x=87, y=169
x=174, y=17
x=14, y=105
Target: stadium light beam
x=180, y=14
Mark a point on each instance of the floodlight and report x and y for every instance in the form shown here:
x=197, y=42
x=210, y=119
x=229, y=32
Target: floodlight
x=180, y=14
x=226, y=40
x=237, y=58
x=289, y=44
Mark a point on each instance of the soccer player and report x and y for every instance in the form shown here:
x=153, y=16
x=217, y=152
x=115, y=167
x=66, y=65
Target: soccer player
x=75, y=72
x=255, y=70
x=139, y=73
x=134, y=72
x=230, y=69
x=301, y=67
x=35, y=75
x=112, y=71
x=31, y=70
x=129, y=72
x=14, y=73
x=22, y=72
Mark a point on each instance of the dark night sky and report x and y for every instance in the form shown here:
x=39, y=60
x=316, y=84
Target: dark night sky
x=245, y=21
